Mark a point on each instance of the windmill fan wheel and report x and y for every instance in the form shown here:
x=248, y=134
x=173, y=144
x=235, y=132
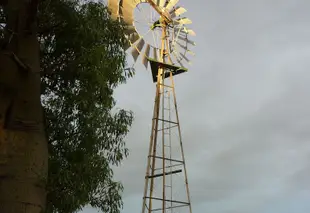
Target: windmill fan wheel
x=145, y=20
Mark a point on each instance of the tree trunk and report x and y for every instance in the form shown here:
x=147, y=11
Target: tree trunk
x=23, y=145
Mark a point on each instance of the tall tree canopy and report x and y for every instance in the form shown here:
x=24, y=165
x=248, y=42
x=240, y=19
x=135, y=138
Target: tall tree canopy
x=82, y=61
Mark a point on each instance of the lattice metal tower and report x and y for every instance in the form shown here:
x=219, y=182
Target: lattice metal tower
x=166, y=185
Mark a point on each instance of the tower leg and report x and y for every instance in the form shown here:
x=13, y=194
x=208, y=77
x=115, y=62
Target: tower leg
x=166, y=184
x=152, y=149
x=181, y=142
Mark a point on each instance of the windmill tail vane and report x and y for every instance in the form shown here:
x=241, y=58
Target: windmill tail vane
x=157, y=33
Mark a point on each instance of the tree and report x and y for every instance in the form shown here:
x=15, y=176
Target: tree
x=23, y=145
x=82, y=61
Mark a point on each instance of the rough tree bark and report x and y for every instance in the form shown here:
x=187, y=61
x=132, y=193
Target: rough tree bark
x=23, y=145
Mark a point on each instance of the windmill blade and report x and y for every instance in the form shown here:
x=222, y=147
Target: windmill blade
x=186, y=59
x=160, y=3
x=114, y=8
x=155, y=53
x=185, y=49
x=183, y=21
x=182, y=46
x=179, y=62
x=171, y=4
x=130, y=29
x=134, y=37
x=127, y=45
x=145, y=56
x=184, y=30
x=137, y=49
x=177, y=12
x=191, y=52
x=187, y=40
x=127, y=8
x=190, y=32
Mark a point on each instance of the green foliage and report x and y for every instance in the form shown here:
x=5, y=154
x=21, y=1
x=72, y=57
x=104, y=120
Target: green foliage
x=83, y=61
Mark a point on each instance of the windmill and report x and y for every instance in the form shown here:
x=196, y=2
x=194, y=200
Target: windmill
x=157, y=33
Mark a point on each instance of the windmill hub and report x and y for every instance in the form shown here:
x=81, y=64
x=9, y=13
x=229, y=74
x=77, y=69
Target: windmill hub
x=162, y=21
x=155, y=25
x=165, y=16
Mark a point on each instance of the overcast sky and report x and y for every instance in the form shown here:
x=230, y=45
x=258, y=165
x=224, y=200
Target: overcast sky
x=244, y=110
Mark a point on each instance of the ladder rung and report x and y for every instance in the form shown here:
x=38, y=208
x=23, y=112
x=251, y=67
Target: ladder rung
x=167, y=200
x=166, y=173
x=171, y=207
x=169, y=167
x=170, y=159
x=166, y=128
x=172, y=122
x=166, y=85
